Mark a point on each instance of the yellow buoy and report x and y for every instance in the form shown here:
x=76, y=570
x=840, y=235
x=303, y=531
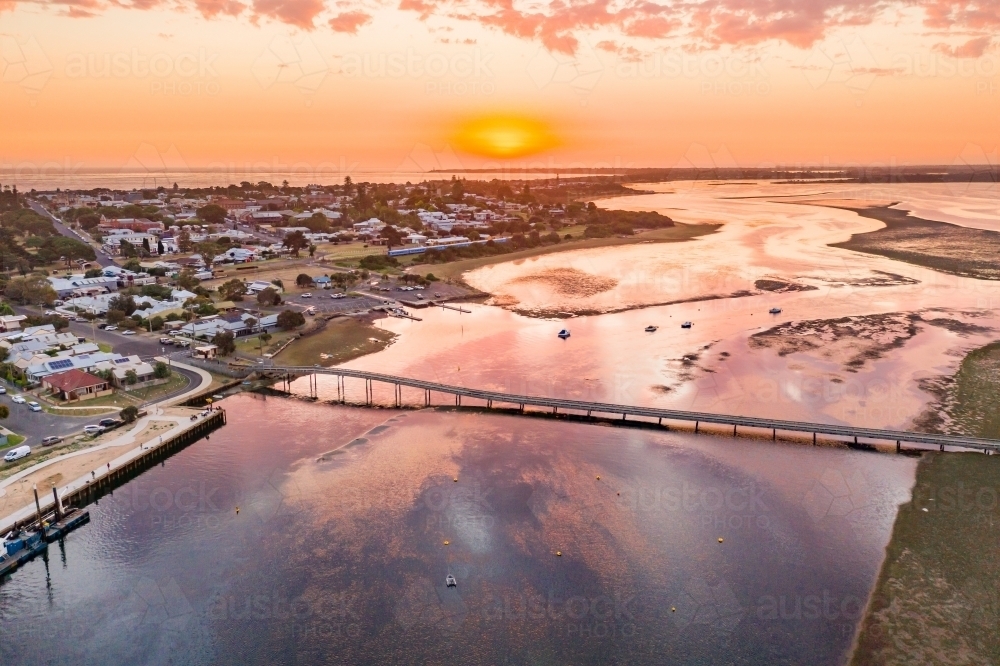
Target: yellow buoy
x=237, y=510
x=598, y=477
x=720, y=539
x=673, y=609
x=447, y=543
x=455, y=479
x=558, y=553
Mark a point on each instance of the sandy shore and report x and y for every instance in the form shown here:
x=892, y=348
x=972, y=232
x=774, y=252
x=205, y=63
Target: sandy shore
x=79, y=458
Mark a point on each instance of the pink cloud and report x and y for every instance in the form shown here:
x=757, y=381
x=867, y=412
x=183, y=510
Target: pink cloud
x=212, y=8
x=349, y=22
x=560, y=24
x=974, y=48
x=300, y=13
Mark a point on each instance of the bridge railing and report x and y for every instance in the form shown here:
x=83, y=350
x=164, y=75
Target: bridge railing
x=697, y=418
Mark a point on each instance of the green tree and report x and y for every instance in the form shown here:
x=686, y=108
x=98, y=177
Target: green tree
x=131, y=377
x=302, y=280
x=225, y=341
x=268, y=296
x=6, y=310
x=232, y=290
x=156, y=323
x=4, y=411
x=186, y=279
x=290, y=319
x=123, y=303
x=161, y=370
x=130, y=413
x=391, y=236
x=184, y=241
x=34, y=289
x=295, y=241
x=212, y=214
x=94, y=272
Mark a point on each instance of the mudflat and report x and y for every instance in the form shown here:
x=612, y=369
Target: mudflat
x=940, y=246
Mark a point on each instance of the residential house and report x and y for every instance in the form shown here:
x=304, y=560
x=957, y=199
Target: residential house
x=76, y=385
x=11, y=322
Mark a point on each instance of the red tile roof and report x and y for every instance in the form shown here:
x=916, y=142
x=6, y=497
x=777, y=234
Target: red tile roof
x=72, y=380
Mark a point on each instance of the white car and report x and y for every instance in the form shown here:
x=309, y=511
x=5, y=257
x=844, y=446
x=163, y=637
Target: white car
x=3, y=390
x=34, y=406
x=128, y=332
x=111, y=328
x=307, y=295
x=51, y=313
x=93, y=429
x=16, y=454
x=19, y=399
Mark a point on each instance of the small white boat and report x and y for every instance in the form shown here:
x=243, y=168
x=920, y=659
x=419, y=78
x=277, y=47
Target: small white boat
x=564, y=333
x=775, y=310
x=651, y=329
x=450, y=581
x=687, y=324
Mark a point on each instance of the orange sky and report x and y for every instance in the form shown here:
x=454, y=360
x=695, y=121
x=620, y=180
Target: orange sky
x=365, y=85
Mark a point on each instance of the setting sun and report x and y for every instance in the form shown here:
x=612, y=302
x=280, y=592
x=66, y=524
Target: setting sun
x=503, y=136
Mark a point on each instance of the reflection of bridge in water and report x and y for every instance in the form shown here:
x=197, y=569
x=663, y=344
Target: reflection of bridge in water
x=606, y=410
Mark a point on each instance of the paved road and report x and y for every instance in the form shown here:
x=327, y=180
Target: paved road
x=102, y=259
x=36, y=425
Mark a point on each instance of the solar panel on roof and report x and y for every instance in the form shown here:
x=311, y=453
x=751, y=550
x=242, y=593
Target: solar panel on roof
x=121, y=360
x=61, y=364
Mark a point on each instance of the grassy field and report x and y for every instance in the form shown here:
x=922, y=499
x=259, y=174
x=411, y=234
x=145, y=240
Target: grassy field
x=251, y=346
x=676, y=234
x=341, y=339
x=943, y=247
x=936, y=600
x=12, y=441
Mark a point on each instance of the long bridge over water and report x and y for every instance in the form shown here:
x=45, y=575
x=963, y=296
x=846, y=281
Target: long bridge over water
x=607, y=410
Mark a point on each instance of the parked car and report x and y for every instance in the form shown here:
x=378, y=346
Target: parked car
x=166, y=341
x=17, y=454
x=34, y=406
x=3, y=390
x=93, y=429
x=109, y=423
x=173, y=333
x=128, y=332
x=51, y=439
x=307, y=295
x=184, y=344
x=51, y=313
x=110, y=328
x=102, y=326
x=19, y=399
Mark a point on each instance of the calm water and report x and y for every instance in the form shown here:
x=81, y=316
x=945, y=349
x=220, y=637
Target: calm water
x=339, y=557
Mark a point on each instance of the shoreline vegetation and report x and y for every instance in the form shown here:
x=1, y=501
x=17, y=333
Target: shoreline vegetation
x=677, y=233
x=940, y=246
x=337, y=340
x=930, y=603
x=935, y=600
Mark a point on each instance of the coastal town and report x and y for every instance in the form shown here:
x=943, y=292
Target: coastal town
x=111, y=298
